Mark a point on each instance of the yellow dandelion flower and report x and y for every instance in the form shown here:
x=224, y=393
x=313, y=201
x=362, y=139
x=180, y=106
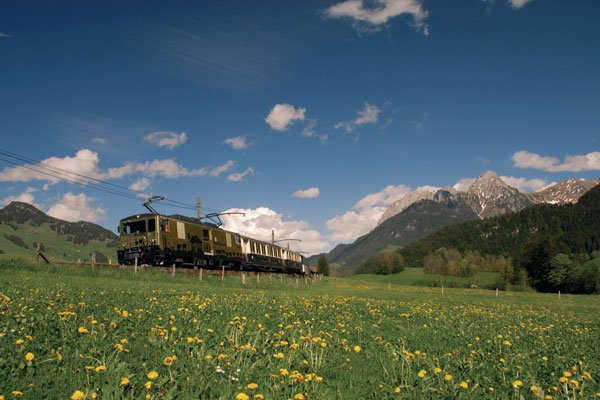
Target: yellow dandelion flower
x=152, y=375
x=517, y=384
x=464, y=385
x=125, y=381
x=422, y=373
x=208, y=357
x=278, y=355
x=242, y=396
x=397, y=390
x=533, y=388
x=252, y=386
x=567, y=374
x=563, y=379
x=283, y=371
x=100, y=368
x=29, y=356
x=574, y=384
x=16, y=393
x=20, y=341
x=447, y=377
x=81, y=329
x=356, y=349
x=148, y=385
x=78, y=395
x=259, y=396
x=437, y=370
x=299, y=396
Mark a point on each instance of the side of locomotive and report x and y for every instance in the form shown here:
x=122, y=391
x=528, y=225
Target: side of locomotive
x=155, y=239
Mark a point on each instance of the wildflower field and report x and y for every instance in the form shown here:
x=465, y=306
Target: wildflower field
x=78, y=333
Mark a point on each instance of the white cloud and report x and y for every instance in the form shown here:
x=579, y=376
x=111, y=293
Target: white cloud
x=517, y=3
x=526, y=185
x=76, y=208
x=352, y=224
x=238, y=142
x=308, y=193
x=309, y=129
x=222, y=168
x=166, y=139
x=464, y=184
x=384, y=11
x=283, y=115
x=368, y=115
x=239, y=177
x=386, y=197
x=258, y=223
x=99, y=140
x=140, y=184
x=4, y=35
x=25, y=197
x=578, y=163
x=168, y=168
x=365, y=213
x=85, y=162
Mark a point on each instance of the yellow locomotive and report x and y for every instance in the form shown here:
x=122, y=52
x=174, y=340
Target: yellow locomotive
x=155, y=239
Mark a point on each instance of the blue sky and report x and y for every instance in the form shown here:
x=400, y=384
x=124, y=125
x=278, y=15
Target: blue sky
x=310, y=116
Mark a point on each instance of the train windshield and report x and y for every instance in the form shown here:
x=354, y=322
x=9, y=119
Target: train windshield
x=138, y=226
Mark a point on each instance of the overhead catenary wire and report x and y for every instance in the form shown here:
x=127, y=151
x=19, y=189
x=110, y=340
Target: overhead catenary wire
x=84, y=180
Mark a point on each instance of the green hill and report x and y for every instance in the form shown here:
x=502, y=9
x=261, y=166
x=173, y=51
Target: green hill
x=418, y=277
x=417, y=220
x=22, y=226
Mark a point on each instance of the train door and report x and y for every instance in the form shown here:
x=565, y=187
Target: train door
x=207, y=244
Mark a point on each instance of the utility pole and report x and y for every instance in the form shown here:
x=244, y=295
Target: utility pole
x=199, y=208
x=272, y=236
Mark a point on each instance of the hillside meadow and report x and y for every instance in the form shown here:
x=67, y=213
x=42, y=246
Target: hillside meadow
x=108, y=333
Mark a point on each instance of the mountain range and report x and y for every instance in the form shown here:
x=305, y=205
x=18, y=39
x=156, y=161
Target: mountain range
x=422, y=212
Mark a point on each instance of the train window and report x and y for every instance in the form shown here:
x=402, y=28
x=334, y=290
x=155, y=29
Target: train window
x=205, y=235
x=252, y=250
x=237, y=240
x=134, y=227
x=164, y=225
x=151, y=225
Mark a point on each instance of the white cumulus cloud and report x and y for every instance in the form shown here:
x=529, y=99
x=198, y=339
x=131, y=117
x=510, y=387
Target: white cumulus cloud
x=166, y=139
x=365, y=214
x=239, y=177
x=140, y=184
x=310, y=193
x=76, y=208
x=222, y=168
x=526, y=185
x=518, y=3
x=168, y=168
x=381, y=12
x=258, y=223
x=577, y=163
x=464, y=184
x=238, y=142
x=283, y=115
x=368, y=115
x=85, y=162
x=25, y=197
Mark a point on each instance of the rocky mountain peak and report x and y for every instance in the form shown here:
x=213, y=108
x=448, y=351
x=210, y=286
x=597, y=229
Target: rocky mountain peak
x=489, y=196
x=563, y=192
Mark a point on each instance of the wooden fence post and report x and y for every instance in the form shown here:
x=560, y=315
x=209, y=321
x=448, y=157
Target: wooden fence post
x=37, y=253
x=173, y=273
x=93, y=260
x=135, y=265
x=258, y=277
x=200, y=274
x=222, y=272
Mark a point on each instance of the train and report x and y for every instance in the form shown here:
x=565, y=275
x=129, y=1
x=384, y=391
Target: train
x=158, y=240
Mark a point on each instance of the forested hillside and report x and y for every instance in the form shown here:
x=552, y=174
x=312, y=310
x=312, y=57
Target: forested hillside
x=577, y=226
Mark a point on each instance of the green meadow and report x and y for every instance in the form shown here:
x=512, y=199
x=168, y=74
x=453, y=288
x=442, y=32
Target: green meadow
x=109, y=333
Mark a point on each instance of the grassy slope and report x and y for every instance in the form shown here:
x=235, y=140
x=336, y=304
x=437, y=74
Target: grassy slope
x=418, y=277
x=56, y=247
